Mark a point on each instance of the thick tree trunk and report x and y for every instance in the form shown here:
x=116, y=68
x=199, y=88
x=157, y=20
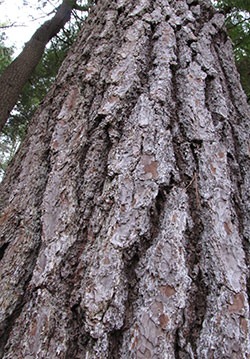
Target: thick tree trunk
x=19, y=71
x=124, y=230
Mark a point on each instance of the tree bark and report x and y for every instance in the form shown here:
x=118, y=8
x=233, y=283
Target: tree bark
x=19, y=71
x=124, y=228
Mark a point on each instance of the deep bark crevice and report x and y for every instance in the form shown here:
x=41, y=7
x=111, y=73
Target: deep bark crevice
x=68, y=270
x=131, y=259
x=198, y=293
x=195, y=146
x=206, y=14
x=79, y=339
x=176, y=126
x=156, y=211
x=193, y=3
x=90, y=139
x=3, y=249
x=197, y=296
x=147, y=66
x=248, y=285
x=115, y=344
x=176, y=345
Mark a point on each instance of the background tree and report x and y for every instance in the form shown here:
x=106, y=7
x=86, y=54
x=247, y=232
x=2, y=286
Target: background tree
x=36, y=88
x=19, y=71
x=124, y=221
x=7, y=144
x=40, y=82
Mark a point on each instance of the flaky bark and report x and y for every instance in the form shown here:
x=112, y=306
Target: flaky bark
x=19, y=71
x=124, y=230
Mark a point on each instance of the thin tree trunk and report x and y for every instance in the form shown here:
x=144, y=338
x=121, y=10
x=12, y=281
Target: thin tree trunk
x=19, y=71
x=124, y=229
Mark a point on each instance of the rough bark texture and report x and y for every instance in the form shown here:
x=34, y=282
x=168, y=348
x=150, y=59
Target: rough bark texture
x=19, y=71
x=124, y=230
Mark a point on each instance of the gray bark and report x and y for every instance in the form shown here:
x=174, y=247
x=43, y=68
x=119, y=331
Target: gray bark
x=124, y=229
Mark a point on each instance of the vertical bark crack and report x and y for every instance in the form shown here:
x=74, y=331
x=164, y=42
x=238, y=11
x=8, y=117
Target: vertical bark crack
x=157, y=208
x=3, y=249
x=197, y=298
x=79, y=340
x=176, y=345
x=186, y=154
x=115, y=343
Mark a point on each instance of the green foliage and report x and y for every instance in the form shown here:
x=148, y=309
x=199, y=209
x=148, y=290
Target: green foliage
x=231, y=5
x=5, y=54
x=238, y=24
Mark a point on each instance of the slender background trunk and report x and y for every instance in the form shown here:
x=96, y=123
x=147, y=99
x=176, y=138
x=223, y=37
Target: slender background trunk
x=124, y=230
x=19, y=71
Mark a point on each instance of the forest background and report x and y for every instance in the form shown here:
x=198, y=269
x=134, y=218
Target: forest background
x=237, y=15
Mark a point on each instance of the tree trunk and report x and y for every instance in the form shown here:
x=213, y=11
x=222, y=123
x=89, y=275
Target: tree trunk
x=124, y=229
x=19, y=71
